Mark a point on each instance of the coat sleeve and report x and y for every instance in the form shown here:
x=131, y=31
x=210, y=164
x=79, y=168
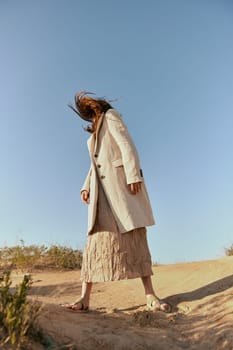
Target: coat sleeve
x=129, y=154
x=86, y=184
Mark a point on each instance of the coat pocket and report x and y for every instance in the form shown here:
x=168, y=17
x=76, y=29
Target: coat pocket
x=117, y=162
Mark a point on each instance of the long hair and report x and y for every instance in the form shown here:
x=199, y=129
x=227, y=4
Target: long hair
x=89, y=108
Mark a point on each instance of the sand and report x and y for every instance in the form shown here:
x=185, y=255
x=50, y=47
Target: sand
x=202, y=317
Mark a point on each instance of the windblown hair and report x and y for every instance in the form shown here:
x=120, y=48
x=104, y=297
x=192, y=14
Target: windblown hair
x=89, y=108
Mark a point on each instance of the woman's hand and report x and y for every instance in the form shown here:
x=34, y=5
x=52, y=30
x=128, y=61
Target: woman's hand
x=135, y=187
x=85, y=197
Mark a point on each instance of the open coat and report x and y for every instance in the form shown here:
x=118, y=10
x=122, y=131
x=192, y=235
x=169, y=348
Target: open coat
x=115, y=164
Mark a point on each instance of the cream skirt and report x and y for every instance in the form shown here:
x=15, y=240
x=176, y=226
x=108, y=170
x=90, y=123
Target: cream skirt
x=110, y=255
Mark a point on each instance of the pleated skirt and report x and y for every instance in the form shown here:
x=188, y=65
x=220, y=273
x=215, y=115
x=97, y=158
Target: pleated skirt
x=110, y=255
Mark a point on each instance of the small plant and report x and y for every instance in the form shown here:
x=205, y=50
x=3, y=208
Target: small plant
x=17, y=315
x=229, y=251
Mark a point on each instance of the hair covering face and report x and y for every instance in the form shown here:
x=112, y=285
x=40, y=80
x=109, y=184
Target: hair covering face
x=80, y=110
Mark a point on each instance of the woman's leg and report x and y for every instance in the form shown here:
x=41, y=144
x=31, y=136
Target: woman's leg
x=147, y=283
x=86, y=291
x=81, y=304
x=153, y=302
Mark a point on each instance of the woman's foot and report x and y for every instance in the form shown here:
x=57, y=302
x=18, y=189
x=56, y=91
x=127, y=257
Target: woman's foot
x=155, y=304
x=78, y=306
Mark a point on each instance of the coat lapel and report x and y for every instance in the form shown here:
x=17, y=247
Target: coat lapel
x=97, y=131
x=94, y=138
x=91, y=144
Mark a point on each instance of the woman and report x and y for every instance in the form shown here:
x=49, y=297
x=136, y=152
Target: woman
x=118, y=205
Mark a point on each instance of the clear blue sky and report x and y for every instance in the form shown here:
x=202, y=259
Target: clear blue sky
x=170, y=64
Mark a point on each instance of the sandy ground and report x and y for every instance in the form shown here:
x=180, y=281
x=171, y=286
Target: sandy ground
x=202, y=317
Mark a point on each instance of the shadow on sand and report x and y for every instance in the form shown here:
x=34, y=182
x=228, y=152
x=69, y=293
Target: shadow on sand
x=210, y=289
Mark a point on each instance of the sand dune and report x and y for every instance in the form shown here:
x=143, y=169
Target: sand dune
x=201, y=294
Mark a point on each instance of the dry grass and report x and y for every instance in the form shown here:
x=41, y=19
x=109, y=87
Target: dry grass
x=28, y=258
x=229, y=251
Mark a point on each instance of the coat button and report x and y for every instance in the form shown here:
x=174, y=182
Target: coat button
x=96, y=155
x=99, y=166
x=102, y=177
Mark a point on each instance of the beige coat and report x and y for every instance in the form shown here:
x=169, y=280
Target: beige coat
x=115, y=163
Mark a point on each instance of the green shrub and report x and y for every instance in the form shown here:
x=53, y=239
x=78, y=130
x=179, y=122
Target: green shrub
x=30, y=257
x=21, y=256
x=65, y=257
x=229, y=251
x=17, y=315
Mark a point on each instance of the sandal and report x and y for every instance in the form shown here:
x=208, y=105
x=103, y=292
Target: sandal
x=74, y=306
x=155, y=304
